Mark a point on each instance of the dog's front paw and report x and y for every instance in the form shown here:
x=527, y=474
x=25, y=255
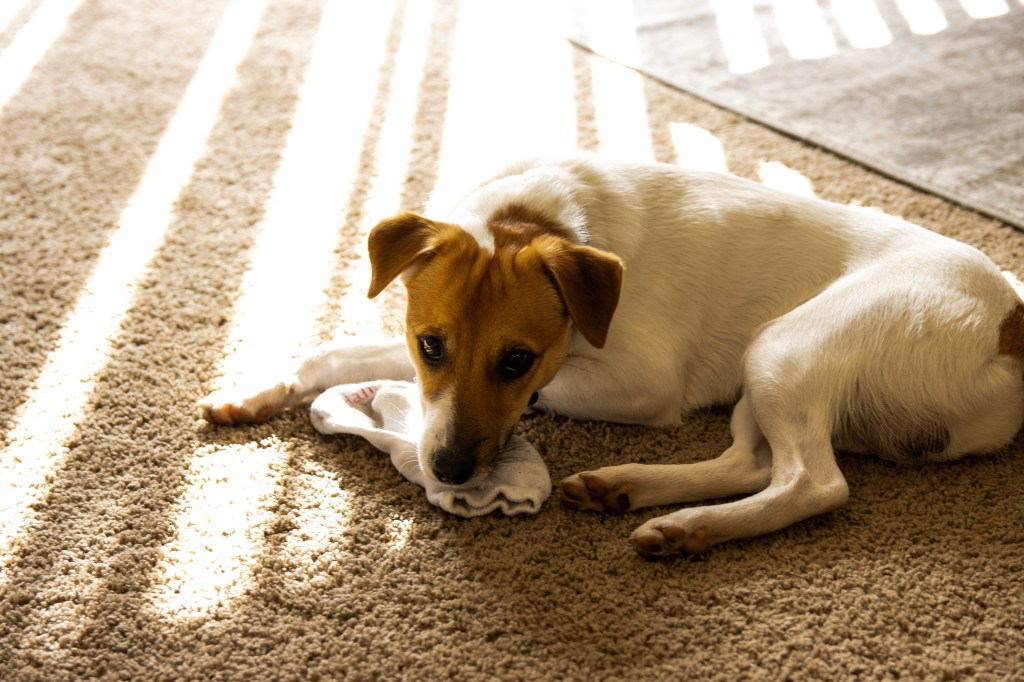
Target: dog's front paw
x=661, y=538
x=590, y=490
x=236, y=406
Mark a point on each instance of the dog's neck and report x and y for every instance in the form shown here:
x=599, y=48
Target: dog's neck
x=522, y=207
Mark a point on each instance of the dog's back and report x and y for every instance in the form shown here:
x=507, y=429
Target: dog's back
x=713, y=261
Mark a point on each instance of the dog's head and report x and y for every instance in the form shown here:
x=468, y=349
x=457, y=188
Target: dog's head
x=488, y=325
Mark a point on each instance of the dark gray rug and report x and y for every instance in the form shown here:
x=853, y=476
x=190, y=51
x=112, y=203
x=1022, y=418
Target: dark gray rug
x=920, y=90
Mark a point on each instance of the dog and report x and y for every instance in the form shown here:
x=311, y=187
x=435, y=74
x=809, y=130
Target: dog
x=634, y=293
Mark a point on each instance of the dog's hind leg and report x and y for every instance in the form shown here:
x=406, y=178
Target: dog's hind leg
x=744, y=468
x=805, y=481
x=328, y=365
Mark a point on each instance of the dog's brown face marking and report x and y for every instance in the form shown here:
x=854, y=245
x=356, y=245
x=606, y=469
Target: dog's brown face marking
x=487, y=327
x=487, y=330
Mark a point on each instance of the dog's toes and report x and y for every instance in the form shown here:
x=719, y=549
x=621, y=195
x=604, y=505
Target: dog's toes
x=573, y=493
x=220, y=409
x=613, y=497
x=590, y=491
x=664, y=540
x=217, y=414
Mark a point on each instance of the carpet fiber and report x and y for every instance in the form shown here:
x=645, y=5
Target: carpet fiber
x=185, y=188
x=928, y=91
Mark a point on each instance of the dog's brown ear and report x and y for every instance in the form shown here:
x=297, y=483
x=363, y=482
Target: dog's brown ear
x=397, y=243
x=589, y=281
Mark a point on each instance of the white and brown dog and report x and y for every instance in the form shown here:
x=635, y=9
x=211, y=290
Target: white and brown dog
x=636, y=292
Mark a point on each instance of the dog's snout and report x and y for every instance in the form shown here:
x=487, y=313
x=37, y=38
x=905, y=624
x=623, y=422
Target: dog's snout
x=453, y=465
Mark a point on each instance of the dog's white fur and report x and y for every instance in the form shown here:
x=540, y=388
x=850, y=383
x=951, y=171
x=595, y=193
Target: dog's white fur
x=833, y=326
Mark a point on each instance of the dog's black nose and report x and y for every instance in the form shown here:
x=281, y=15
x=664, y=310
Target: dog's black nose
x=453, y=465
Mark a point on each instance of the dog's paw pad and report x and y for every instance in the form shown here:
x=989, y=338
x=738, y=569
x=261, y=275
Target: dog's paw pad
x=665, y=540
x=590, y=491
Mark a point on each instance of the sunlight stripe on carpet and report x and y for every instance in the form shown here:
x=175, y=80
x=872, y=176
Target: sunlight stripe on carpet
x=8, y=10
x=697, y=148
x=496, y=114
x=399, y=532
x=30, y=44
x=313, y=551
x=778, y=175
x=292, y=260
x=275, y=315
x=233, y=489
x=362, y=316
x=620, y=104
x=57, y=400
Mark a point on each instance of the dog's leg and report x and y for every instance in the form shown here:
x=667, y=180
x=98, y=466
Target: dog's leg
x=744, y=468
x=327, y=366
x=805, y=481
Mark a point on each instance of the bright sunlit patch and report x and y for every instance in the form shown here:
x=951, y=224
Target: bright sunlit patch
x=611, y=29
x=55, y=403
x=291, y=262
x=781, y=177
x=803, y=29
x=231, y=500
x=281, y=295
x=516, y=103
x=363, y=316
x=741, y=36
x=399, y=532
x=398, y=134
x=312, y=552
x=8, y=10
x=620, y=105
x=862, y=23
x=620, y=108
x=924, y=17
x=31, y=42
x=985, y=9
x=697, y=148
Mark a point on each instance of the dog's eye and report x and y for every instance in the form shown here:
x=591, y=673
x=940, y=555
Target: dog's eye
x=432, y=349
x=516, y=363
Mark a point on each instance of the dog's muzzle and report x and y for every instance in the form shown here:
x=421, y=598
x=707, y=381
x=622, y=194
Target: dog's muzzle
x=453, y=465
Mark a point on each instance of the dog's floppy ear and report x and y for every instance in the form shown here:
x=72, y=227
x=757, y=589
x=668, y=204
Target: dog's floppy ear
x=397, y=243
x=589, y=281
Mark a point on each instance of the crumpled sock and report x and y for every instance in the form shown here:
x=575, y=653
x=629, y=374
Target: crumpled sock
x=387, y=413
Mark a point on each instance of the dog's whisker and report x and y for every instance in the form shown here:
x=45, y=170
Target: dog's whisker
x=570, y=360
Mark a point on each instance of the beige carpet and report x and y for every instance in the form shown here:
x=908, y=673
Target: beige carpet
x=181, y=178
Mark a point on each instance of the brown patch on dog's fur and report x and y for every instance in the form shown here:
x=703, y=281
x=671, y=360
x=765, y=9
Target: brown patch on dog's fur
x=515, y=224
x=1011, y=332
x=588, y=280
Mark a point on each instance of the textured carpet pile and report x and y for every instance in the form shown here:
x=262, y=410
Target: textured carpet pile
x=185, y=188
